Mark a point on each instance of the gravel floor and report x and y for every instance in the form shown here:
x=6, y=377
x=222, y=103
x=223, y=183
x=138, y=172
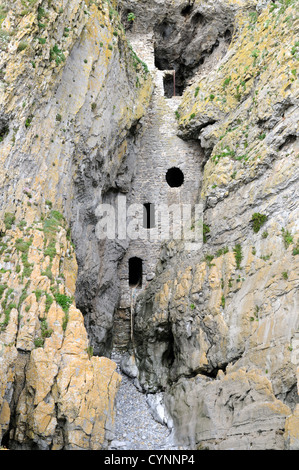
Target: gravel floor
x=135, y=427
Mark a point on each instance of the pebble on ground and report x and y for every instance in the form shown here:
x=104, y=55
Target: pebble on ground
x=135, y=427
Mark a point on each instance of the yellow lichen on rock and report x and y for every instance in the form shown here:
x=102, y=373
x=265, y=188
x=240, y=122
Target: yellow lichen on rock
x=252, y=79
x=292, y=430
x=62, y=65
x=61, y=372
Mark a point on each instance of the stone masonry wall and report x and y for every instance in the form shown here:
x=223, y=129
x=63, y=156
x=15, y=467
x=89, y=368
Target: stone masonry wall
x=159, y=149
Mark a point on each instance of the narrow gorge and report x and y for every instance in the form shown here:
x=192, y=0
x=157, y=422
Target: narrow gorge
x=112, y=112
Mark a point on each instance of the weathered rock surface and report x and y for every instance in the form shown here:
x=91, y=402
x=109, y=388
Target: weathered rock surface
x=216, y=332
x=190, y=36
x=230, y=310
x=71, y=91
x=72, y=101
x=237, y=411
x=54, y=394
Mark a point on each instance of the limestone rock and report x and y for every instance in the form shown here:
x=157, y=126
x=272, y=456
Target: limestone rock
x=64, y=145
x=237, y=412
x=128, y=366
x=292, y=430
x=232, y=304
x=215, y=331
x=56, y=393
x=158, y=410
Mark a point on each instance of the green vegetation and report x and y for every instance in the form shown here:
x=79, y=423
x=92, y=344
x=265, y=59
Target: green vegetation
x=57, y=55
x=28, y=121
x=22, y=46
x=48, y=273
x=227, y=152
x=23, y=296
x=52, y=223
x=3, y=247
x=22, y=224
x=206, y=229
x=253, y=19
x=9, y=220
x=266, y=257
x=226, y=82
x=287, y=237
x=49, y=301
x=46, y=332
x=238, y=255
x=3, y=287
x=39, y=342
x=136, y=61
x=131, y=17
x=51, y=250
x=22, y=245
x=208, y=259
x=27, y=267
x=256, y=314
x=222, y=251
x=89, y=351
x=255, y=53
x=41, y=13
x=38, y=293
x=65, y=321
x=64, y=301
x=3, y=13
x=7, y=306
x=294, y=48
x=258, y=220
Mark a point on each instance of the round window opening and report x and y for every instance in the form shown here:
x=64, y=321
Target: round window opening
x=175, y=177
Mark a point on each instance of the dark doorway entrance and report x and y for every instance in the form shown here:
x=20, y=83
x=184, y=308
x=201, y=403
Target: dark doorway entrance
x=135, y=272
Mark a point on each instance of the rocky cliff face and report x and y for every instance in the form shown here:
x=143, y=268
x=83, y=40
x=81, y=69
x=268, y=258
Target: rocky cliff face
x=71, y=93
x=217, y=333
x=220, y=331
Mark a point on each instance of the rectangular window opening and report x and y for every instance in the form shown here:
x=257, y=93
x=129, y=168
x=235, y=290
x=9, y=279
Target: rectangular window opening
x=148, y=215
x=135, y=272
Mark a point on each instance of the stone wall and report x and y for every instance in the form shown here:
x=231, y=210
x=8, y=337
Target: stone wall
x=158, y=149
